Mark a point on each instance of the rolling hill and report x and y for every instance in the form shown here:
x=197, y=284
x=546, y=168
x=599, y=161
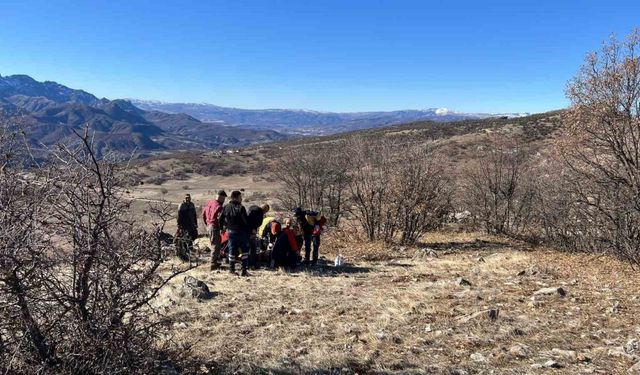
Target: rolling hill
x=51, y=112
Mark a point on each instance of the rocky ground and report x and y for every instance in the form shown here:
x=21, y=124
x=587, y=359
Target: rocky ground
x=459, y=304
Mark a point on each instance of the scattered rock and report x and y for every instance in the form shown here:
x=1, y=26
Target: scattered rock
x=428, y=328
x=461, y=216
x=552, y=364
x=615, y=308
x=196, y=288
x=568, y=355
x=632, y=346
x=463, y=282
x=202, y=244
x=550, y=291
x=522, y=273
x=520, y=351
x=477, y=357
x=180, y=325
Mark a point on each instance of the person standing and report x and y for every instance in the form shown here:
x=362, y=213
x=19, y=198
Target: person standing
x=307, y=232
x=318, y=227
x=234, y=220
x=187, y=218
x=255, y=217
x=187, y=228
x=211, y=217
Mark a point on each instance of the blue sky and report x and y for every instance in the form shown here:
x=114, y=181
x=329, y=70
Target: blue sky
x=493, y=56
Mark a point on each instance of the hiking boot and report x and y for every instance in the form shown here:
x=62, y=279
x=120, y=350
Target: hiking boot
x=215, y=266
x=245, y=273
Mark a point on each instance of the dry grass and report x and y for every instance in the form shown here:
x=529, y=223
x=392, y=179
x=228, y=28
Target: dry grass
x=409, y=314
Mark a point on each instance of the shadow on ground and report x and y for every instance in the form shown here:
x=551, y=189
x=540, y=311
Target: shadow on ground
x=478, y=244
x=326, y=269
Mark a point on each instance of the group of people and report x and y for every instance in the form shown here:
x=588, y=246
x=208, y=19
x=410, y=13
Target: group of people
x=249, y=236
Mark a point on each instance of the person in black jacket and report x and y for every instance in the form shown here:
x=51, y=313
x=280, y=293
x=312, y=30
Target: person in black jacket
x=234, y=219
x=307, y=231
x=255, y=217
x=187, y=217
x=187, y=228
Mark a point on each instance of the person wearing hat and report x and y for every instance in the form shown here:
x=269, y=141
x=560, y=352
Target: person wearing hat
x=211, y=217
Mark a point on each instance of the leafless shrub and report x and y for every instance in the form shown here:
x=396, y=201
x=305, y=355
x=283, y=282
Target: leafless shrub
x=76, y=272
x=314, y=179
x=602, y=146
x=396, y=195
x=498, y=187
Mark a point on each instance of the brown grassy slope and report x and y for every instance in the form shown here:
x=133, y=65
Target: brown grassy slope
x=530, y=129
x=409, y=314
x=201, y=173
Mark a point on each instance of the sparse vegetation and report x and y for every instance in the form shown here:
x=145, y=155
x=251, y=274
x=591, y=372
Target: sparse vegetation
x=76, y=274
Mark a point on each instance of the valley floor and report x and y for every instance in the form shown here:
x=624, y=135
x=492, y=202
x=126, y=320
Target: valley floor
x=419, y=311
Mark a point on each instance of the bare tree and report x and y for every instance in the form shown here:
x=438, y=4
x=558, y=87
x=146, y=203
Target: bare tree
x=369, y=181
x=422, y=195
x=602, y=145
x=315, y=179
x=397, y=195
x=498, y=188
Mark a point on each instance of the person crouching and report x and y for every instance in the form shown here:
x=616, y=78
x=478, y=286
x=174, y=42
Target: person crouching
x=285, y=248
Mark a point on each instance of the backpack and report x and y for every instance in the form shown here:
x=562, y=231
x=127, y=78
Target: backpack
x=255, y=215
x=312, y=217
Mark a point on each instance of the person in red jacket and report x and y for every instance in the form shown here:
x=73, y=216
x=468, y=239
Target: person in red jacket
x=286, y=249
x=211, y=217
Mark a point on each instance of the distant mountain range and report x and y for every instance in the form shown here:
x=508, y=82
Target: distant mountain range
x=51, y=112
x=307, y=122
